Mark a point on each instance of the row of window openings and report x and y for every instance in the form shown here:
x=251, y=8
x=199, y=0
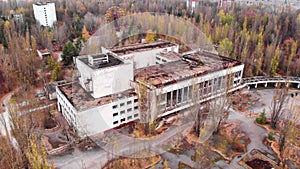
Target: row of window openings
x=65, y=111
x=185, y=94
x=128, y=118
x=66, y=108
x=64, y=103
x=157, y=58
x=70, y=116
x=237, y=74
x=122, y=104
x=123, y=111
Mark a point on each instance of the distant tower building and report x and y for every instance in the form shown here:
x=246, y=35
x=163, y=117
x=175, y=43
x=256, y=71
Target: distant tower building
x=225, y=3
x=193, y=3
x=45, y=13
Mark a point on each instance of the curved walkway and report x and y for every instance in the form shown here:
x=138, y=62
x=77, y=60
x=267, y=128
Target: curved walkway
x=287, y=80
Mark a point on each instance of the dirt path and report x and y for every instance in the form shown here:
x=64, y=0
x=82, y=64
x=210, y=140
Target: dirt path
x=4, y=99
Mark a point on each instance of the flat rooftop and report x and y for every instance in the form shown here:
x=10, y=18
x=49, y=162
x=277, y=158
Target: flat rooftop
x=192, y=65
x=43, y=3
x=82, y=100
x=112, y=61
x=140, y=47
x=173, y=56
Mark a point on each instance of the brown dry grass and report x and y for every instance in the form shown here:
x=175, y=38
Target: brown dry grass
x=37, y=119
x=226, y=143
x=133, y=163
x=292, y=146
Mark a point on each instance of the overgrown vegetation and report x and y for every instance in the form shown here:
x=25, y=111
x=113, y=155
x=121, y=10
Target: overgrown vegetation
x=262, y=119
x=271, y=136
x=267, y=43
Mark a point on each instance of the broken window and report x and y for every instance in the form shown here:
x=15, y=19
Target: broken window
x=185, y=94
x=169, y=95
x=129, y=117
x=174, y=97
x=179, y=96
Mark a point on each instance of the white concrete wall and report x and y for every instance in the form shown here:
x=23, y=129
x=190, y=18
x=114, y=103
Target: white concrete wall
x=85, y=72
x=45, y=14
x=100, y=119
x=66, y=108
x=112, y=80
x=105, y=81
x=147, y=58
x=95, y=120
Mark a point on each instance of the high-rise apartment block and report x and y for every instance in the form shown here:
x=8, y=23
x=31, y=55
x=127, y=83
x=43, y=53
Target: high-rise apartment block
x=45, y=13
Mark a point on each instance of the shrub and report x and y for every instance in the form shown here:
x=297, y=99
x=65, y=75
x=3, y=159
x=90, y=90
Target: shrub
x=271, y=136
x=262, y=119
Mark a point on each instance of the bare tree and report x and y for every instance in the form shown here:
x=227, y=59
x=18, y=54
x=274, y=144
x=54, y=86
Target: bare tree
x=196, y=109
x=31, y=151
x=219, y=107
x=288, y=126
x=148, y=106
x=9, y=158
x=61, y=34
x=278, y=106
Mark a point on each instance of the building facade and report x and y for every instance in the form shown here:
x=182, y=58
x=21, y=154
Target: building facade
x=198, y=77
x=143, y=54
x=45, y=13
x=113, y=89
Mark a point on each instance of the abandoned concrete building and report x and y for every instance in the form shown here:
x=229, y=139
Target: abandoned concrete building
x=142, y=82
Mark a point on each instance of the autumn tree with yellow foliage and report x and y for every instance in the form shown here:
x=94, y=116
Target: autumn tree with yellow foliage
x=85, y=34
x=150, y=36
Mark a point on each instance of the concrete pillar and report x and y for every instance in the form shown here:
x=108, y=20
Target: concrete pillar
x=256, y=85
x=266, y=84
x=287, y=84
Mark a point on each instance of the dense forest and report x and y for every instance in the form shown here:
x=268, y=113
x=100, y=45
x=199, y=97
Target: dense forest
x=267, y=41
